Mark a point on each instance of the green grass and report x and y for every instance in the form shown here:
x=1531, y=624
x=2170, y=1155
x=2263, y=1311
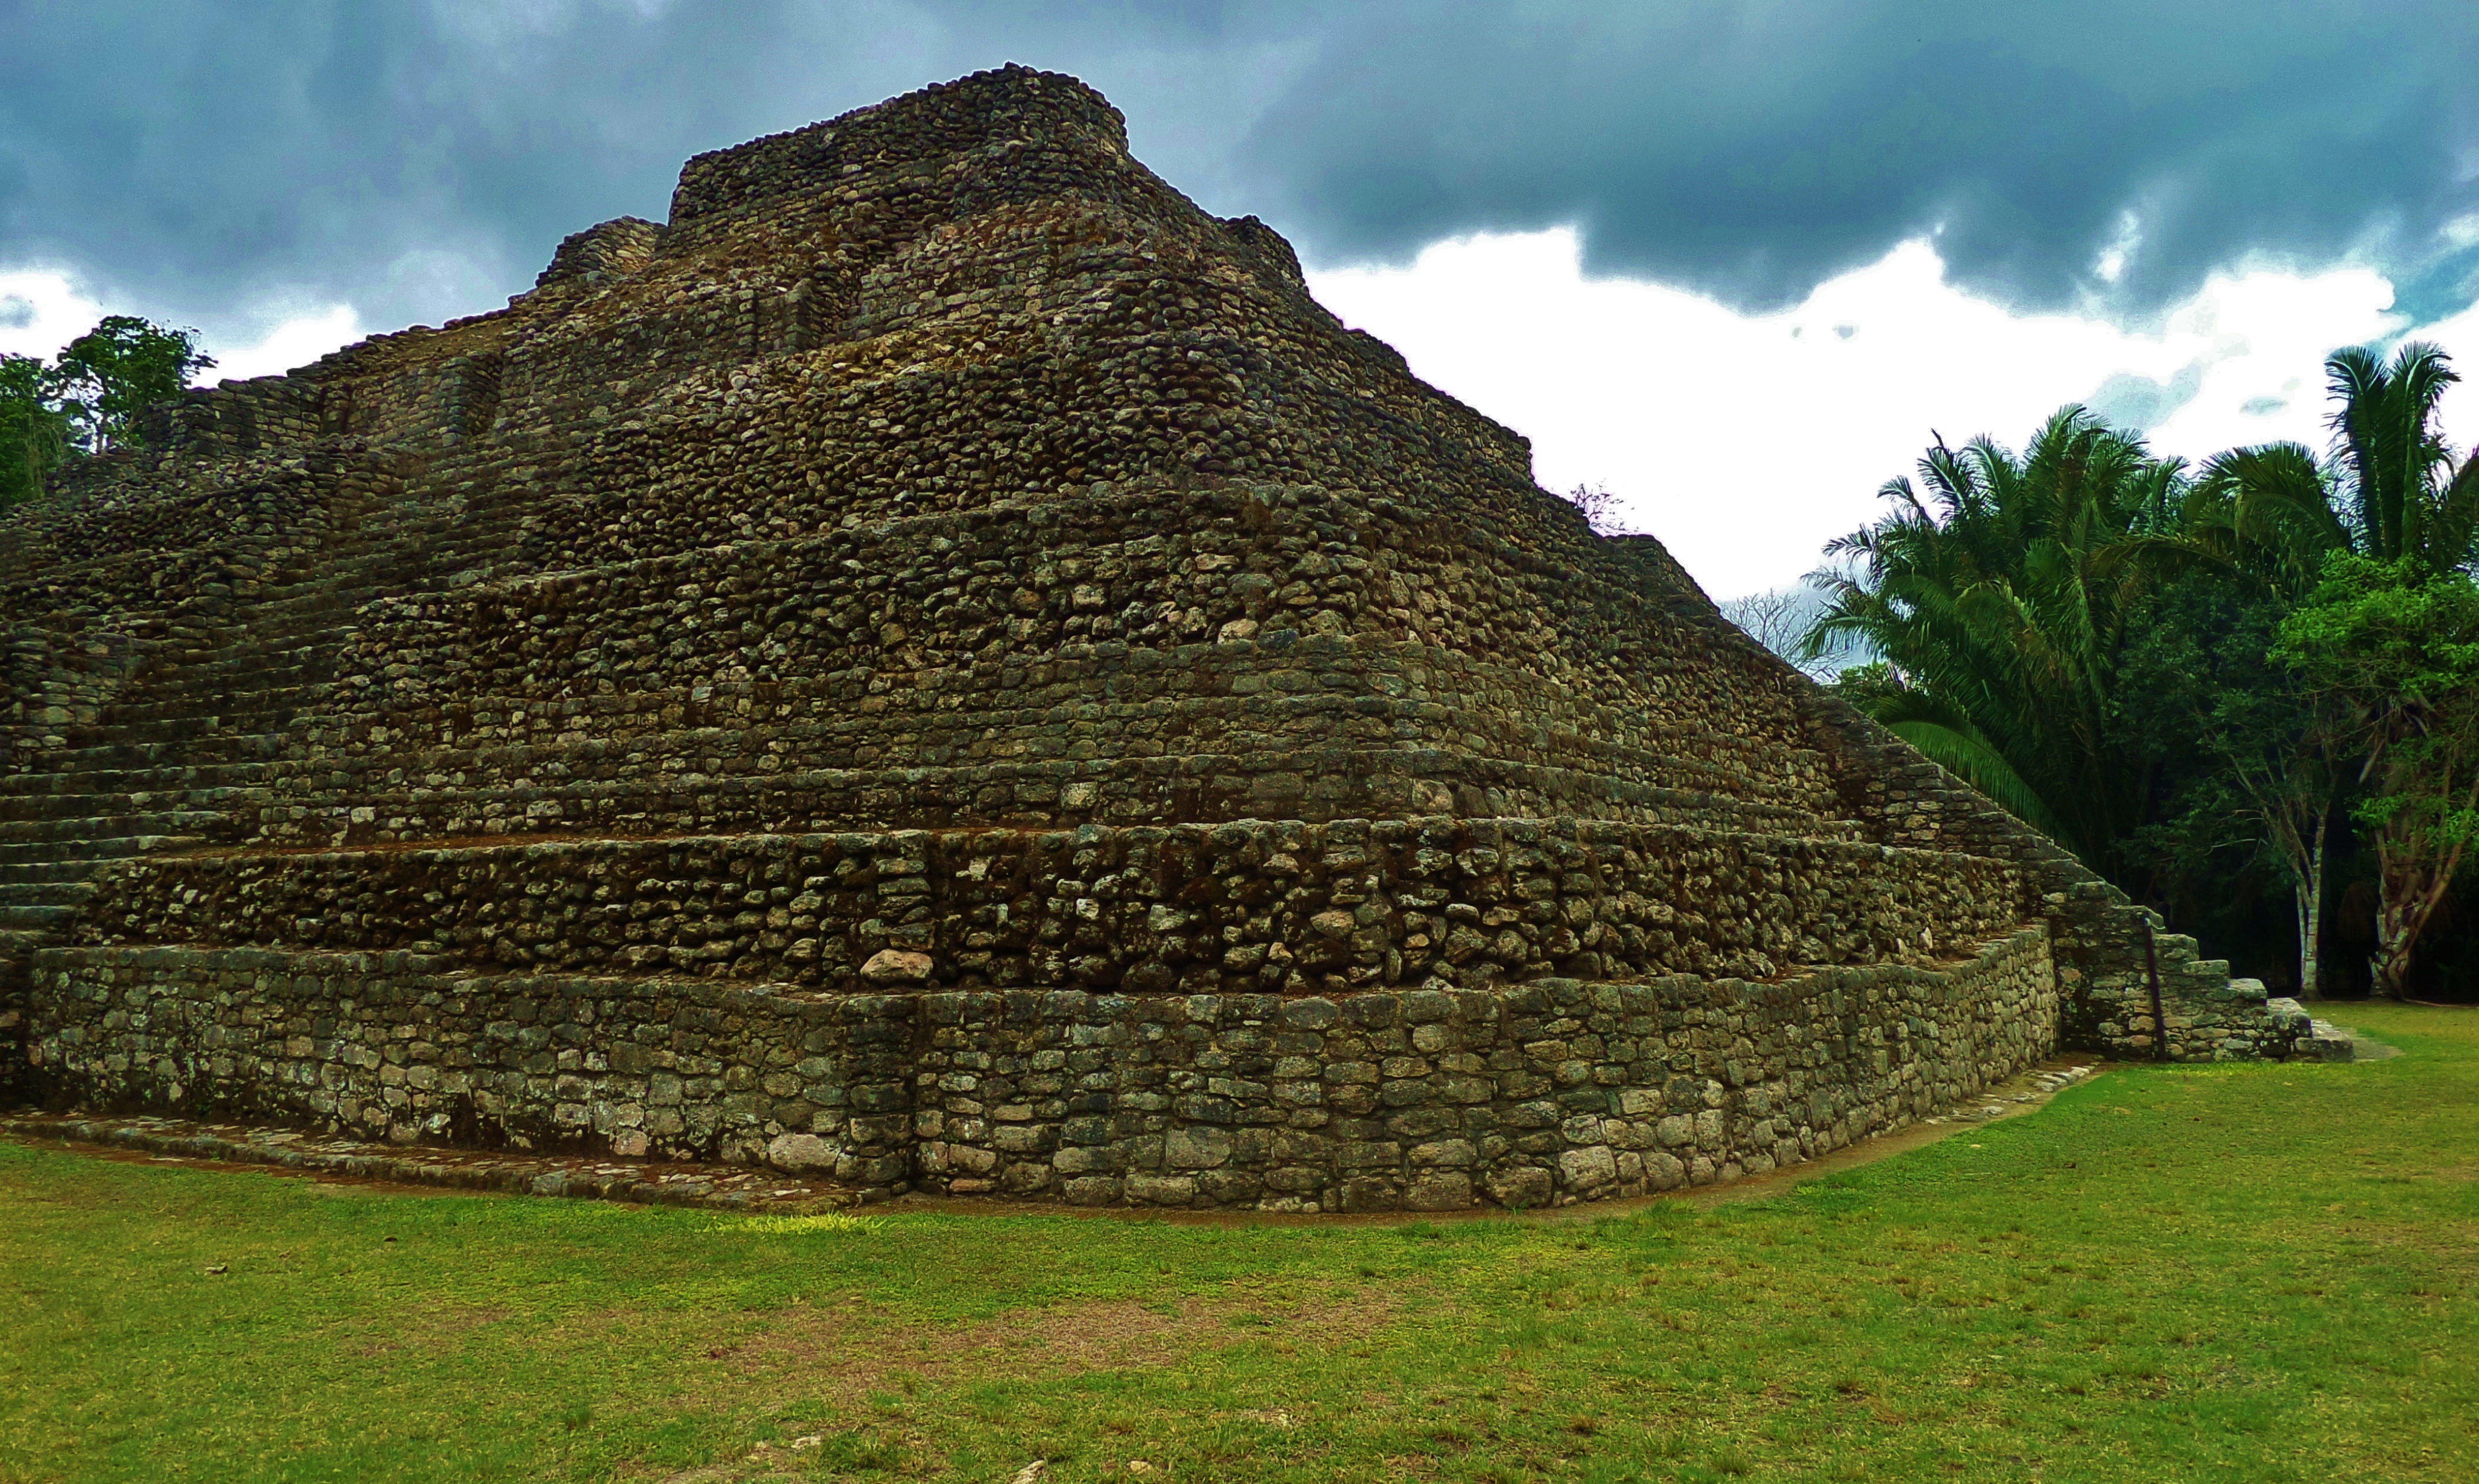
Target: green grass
x=2220, y=1273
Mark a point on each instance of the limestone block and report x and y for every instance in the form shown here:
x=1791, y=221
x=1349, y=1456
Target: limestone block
x=896, y=966
x=802, y=1154
x=1522, y=1187
x=1196, y=1149
x=1588, y=1168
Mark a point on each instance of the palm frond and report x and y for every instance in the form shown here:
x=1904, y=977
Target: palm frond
x=1955, y=746
x=2454, y=541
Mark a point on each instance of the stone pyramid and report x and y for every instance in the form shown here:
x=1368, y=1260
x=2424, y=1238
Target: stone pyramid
x=942, y=666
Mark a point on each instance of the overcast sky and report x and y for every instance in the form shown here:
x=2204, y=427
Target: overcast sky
x=1732, y=260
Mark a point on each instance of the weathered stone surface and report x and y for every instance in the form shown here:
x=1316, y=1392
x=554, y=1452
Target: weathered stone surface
x=895, y=967
x=800, y=1153
x=942, y=660
x=1162, y=1100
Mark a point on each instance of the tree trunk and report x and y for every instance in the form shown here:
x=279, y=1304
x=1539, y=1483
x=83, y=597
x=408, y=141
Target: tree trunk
x=2412, y=879
x=2310, y=917
x=2409, y=894
x=2306, y=888
x=2390, y=962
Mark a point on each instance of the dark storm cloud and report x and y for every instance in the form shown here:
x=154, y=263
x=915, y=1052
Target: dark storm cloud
x=421, y=160
x=1752, y=149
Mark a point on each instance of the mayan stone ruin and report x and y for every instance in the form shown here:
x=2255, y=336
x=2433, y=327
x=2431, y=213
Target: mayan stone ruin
x=941, y=667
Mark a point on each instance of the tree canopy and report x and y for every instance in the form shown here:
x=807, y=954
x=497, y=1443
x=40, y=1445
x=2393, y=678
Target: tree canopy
x=2160, y=669
x=87, y=399
x=1998, y=604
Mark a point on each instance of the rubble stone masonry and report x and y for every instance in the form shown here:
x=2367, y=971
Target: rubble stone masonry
x=941, y=664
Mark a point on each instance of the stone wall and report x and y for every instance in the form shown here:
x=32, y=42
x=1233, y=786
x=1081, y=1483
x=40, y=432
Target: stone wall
x=239, y=417
x=1243, y=639
x=1282, y=907
x=17, y=989
x=1529, y=1095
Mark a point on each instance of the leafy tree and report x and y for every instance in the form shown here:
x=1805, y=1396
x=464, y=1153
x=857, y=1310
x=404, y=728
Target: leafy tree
x=2254, y=760
x=89, y=399
x=115, y=371
x=1778, y=619
x=2394, y=647
x=2089, y=638
x=1997, y=607
x=2391, y=492
x=1600, y=507
x=1867, y=687
x=33, y=430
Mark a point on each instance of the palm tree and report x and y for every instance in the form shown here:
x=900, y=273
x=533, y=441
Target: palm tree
x=1998, y=612
x=2390, y=492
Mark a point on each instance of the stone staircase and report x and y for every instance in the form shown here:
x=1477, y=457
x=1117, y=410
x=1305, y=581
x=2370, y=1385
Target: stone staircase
x=182, y=754
x=2203, y=1013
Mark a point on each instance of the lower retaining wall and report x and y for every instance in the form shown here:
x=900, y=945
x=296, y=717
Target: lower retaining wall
x=1529, y=1094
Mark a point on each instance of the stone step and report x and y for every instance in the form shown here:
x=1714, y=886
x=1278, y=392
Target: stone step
x=114, y=756
x=97, y=806
x=107, y=826
x=45, y=872
x=256, y=720
x=293, y=649
x=172, y=778
x=236, y=695
x=56, y=893
x=199, y=719
x=33, y=918
x=2329, y=1042
x=93, y=850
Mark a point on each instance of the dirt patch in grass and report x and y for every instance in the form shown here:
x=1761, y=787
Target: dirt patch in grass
x=847, y=1354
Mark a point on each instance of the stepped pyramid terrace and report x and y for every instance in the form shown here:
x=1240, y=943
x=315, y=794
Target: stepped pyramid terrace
x=940, y=667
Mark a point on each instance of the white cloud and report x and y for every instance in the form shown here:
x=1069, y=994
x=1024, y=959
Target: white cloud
x=293, y=341
x=41, y=311
x=2459, y=335
x=1747, y=440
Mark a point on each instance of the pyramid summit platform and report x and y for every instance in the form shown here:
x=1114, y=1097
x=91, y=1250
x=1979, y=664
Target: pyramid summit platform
x=941, y=666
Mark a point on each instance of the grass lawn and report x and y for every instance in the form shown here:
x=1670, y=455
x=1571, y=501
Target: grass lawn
x=2253, y=1273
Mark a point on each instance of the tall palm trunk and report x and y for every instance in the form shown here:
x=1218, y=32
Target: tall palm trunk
x=2310, y=893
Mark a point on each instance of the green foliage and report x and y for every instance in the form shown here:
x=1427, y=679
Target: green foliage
x=2246, y=763
x=2393, y=491
x=2407, y=501
x=2167, y=1273
x=2394, y=647
x=2085, y=635
x=89, y=399
x=115, y=371
x=1866, y=687
x=33, y=430
x=1998, y=611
